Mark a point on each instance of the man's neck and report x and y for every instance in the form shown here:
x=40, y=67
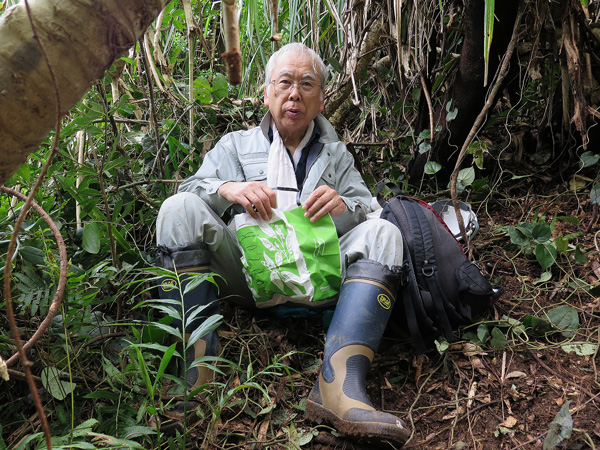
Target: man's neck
x=298, y=140
x=292, y=142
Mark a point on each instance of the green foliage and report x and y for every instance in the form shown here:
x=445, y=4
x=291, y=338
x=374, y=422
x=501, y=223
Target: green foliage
x=538, y=238
x=106, y=362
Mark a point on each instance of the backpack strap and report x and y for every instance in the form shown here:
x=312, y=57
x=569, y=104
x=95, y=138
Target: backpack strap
x=410, y=298
x=425, y=264
x=392, y=186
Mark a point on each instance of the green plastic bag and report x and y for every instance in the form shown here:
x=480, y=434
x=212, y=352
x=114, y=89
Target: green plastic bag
x=288, y=258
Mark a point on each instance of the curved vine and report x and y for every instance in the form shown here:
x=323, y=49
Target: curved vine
x=62, y=279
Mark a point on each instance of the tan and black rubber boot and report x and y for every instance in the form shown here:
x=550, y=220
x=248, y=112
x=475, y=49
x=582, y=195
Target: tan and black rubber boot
x=200, y=302
x=339, y=397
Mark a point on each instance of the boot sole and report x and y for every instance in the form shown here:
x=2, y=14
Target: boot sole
x=372, y=432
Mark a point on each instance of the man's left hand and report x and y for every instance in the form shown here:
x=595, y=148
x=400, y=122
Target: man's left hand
x=323, y=200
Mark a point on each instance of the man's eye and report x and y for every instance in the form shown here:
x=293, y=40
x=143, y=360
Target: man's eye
x=307, y=84
x=285, y=83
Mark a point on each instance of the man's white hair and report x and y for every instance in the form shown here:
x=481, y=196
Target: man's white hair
x=300, y=50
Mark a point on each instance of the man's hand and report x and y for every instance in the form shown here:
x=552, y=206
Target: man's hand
x=256, y=197
x=323, y=200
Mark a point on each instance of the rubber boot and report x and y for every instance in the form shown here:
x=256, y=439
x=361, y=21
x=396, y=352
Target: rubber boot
x=339, y=396
x=186, y=259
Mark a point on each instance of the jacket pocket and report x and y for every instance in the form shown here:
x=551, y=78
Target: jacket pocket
x=255, y=170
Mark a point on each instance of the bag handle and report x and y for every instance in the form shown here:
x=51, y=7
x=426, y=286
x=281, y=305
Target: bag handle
x=392, y=186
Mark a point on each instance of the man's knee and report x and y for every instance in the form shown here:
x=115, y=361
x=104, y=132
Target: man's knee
x=383, y=231
x=183, y=218
x=180, y=203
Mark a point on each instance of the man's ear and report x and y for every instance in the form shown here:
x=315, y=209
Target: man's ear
x=266, y=99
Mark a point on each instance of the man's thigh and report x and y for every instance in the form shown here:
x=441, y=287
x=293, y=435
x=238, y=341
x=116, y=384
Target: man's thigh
x=374, y=239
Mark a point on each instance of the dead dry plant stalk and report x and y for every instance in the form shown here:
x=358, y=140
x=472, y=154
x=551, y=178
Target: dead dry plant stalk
x=232, y=55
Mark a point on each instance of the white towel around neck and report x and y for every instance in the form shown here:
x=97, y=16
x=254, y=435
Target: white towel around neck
x=281, y=176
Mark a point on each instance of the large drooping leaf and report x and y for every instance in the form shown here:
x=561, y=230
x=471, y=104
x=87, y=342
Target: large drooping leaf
x=91, y=238
x=564, y=317
x=560, y=428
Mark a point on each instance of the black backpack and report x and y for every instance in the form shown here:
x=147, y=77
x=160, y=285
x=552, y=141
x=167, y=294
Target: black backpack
x=441, y=288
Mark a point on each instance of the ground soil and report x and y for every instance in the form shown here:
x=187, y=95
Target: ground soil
x=468, y=397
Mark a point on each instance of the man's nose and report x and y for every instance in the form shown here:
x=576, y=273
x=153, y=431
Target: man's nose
x=294, y=93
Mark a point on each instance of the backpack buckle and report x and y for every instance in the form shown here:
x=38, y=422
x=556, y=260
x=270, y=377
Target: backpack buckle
x=404, y=274
x=428, y=271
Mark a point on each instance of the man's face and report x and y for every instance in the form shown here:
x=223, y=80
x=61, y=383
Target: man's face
x=294, y=110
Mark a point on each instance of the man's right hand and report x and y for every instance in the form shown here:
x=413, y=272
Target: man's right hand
x=256, y=197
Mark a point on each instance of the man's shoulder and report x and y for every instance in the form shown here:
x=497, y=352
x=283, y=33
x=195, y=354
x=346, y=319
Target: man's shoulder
x=328, y=134
x=234, y=137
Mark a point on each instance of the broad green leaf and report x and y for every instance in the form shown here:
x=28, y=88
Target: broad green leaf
x=91, y=238
x=466, y=176
x=424, y=147
x=564, y=318
x=483, y=333
x=580, y=257
x=113, y=442
x=544, y=277
x=539, y=327
x=517, y=236
x=450, y=113
x=425, y=134
x=545, y=255
x=477, y=149
x=542, y=232
x=562, y=243
x=33, y=255
x=498, y=341
x=589, y=159
x=560, y=428
x=595, y=193
x=432, y=167
x=202, y=90
x=580, y=348
x=441, y=346
x=85, y=427
x=220, y=86
x=303, y=437
x=163, y=363
x=58, y=388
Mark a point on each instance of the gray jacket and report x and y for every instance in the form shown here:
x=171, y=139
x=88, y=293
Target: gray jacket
x=243, y=156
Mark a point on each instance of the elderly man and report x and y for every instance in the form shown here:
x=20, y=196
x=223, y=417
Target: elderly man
x=294, y=157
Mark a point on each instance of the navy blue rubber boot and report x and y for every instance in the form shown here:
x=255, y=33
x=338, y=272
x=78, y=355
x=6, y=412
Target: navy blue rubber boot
x=192, y=258
x=339, y=397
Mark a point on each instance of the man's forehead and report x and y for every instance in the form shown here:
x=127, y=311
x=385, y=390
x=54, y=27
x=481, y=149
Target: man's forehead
x=288, y=73
x=295, y=63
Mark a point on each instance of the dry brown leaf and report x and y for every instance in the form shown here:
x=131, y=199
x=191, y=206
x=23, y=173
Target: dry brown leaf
x=516, y=374
x=509, y=422
x=470, y=349
x=596, y=268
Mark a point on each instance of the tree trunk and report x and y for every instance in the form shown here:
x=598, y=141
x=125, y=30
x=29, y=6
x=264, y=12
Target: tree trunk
x=81, y=38
x=468, y=92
